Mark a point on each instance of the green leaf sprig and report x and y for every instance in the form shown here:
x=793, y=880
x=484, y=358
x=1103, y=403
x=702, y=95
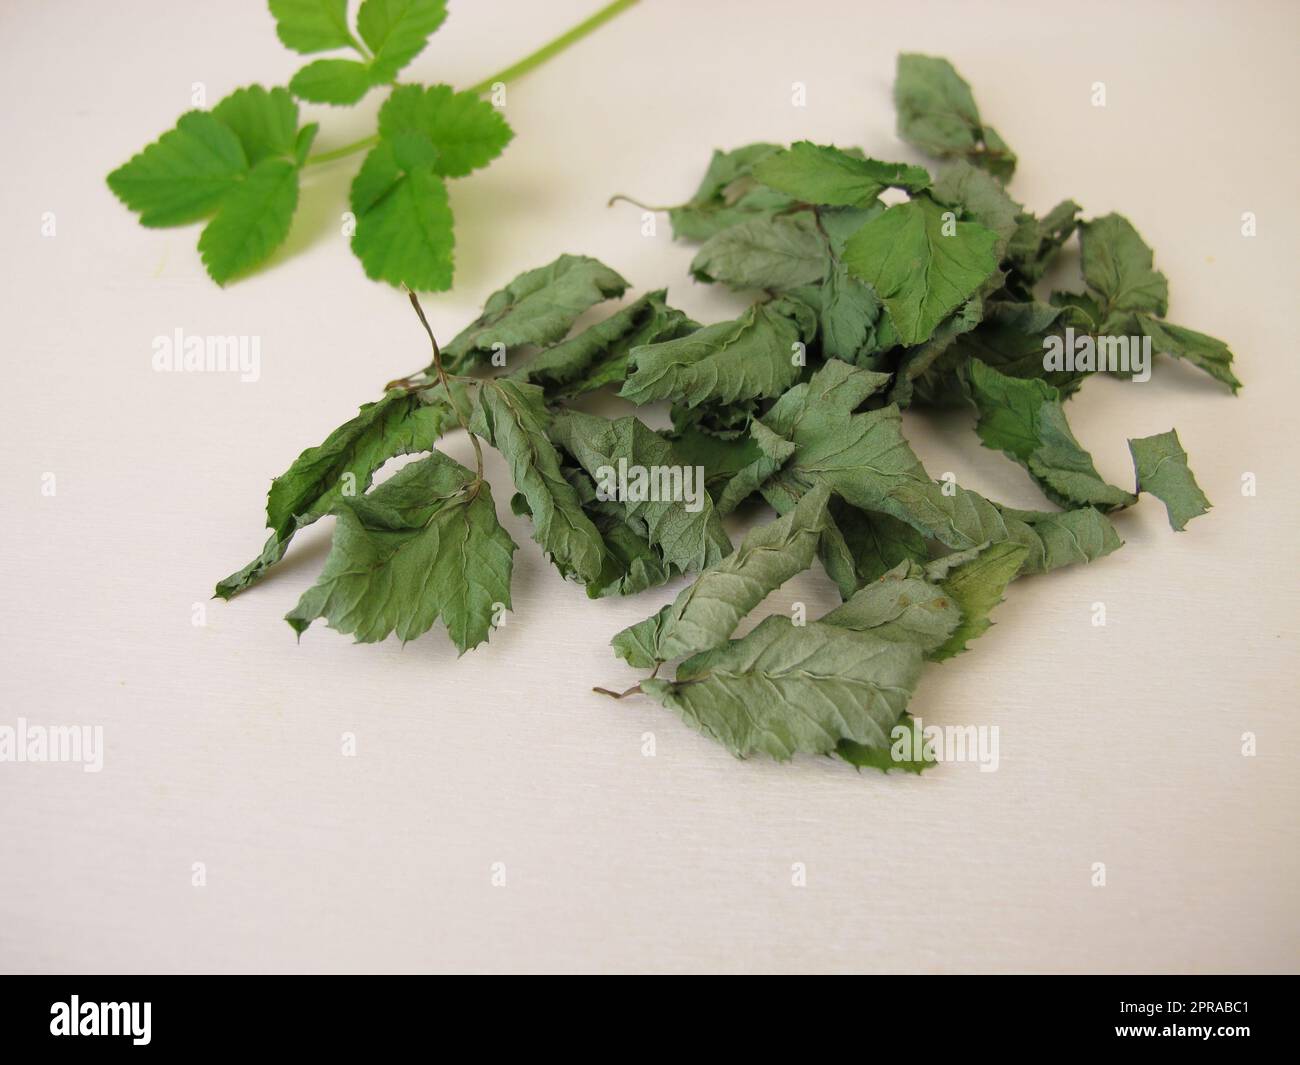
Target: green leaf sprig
x=861, y=310
x=239, y=165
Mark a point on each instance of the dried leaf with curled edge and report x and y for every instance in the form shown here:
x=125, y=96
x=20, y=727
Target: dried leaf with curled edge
x=708, y=611
x=426, y=544
x=512, y=417
x=785, y=689
x=1162, y=470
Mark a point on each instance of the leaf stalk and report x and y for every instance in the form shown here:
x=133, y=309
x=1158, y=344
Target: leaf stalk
x=446, y=384
x=516, y=70
x=634, y=690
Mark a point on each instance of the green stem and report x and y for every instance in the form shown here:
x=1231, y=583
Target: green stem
x=537, y=58
x=515, y=70
x=340, y=153
x=360, y=48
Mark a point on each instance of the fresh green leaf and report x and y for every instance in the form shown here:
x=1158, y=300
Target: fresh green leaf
x=404, y=235
x=332, y=81
x=378, y=175
x=266, y=123
x=404, y=231
x=1162, y=470
x=184, y=174
x=467, y=131
x=397, y=31
x=303, y=141
x=203, y=165
x=252, y=221
x=309, y=26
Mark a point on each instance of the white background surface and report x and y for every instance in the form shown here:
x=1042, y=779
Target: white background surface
x=1118, y=744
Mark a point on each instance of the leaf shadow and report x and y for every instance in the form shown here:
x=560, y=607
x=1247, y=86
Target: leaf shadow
x=490, y=209
x=322, y=201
